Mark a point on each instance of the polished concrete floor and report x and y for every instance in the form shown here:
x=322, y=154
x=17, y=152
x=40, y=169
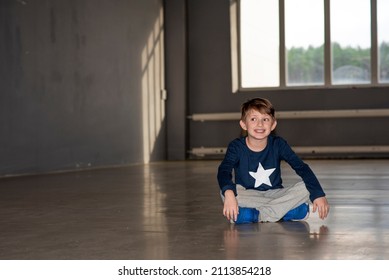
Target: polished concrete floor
x=172, y=210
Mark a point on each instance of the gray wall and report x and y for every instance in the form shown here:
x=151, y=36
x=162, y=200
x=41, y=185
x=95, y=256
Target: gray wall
x=210, y=91
x=79, y=83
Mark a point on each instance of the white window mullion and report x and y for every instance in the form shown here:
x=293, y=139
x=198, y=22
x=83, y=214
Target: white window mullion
x=283, y=58
x=327, y=44
x=374, y=43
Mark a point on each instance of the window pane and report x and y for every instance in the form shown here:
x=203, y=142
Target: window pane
x=383, y=40
x=350, y=40
x=259, y=43
x=305, y=54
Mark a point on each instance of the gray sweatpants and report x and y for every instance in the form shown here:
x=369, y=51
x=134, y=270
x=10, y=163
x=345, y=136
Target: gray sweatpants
x=273, y=204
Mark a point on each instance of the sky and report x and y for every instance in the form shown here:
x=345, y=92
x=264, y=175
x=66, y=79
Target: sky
x=383, y=27
x=350, y=21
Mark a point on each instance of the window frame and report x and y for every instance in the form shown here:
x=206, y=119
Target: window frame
x=236, y=63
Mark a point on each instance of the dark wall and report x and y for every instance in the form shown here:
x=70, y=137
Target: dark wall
x=176, y=77
x=72, y=83
x=210, y=91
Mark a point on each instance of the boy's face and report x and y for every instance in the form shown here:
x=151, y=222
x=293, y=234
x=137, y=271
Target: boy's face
x=258, y=125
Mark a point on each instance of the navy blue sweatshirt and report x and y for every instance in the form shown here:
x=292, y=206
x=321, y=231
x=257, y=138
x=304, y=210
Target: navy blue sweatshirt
x=262, y=170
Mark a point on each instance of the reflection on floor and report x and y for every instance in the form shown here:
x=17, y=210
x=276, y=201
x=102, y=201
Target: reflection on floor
x=172, y=210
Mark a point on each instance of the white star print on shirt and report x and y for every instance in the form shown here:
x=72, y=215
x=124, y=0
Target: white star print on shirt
x=262, y=176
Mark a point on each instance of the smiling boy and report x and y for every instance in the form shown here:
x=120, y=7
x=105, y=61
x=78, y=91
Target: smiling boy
x=249, y=176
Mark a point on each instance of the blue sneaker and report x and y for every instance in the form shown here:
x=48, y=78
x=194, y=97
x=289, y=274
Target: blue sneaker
x=297, y=214
x=247, y=216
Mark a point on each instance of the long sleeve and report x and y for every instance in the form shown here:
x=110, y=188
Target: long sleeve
x=303, y=170
x=225, y=170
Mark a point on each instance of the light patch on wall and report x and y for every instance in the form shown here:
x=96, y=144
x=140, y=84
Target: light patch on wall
x=153, y=101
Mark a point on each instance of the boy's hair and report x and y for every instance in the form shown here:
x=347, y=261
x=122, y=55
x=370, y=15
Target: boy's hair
x=261, y=105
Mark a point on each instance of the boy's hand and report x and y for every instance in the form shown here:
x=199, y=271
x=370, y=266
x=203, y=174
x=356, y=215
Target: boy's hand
x=230, y=210
x=322, y=206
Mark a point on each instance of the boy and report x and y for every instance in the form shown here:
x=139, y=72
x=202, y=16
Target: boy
x=257, y=194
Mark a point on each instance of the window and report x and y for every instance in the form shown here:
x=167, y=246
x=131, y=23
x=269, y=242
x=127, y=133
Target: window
x=306, y=43
x=304, y=54
x=260, y=62
x=350, y=41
